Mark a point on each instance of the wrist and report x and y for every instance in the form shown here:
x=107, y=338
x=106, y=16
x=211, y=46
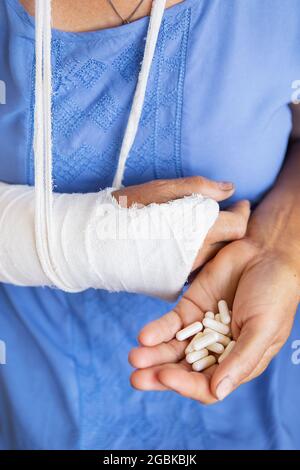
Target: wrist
x=274, y=228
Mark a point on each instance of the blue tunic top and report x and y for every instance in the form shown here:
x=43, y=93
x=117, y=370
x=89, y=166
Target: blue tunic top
x=216, y=105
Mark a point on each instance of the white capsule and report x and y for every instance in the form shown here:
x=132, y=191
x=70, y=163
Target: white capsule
x=204, y=363
x=209, y=315
x=217, y=348
x=224, y=312
x=190, y=330
x=205, y=340
x=228, y=349
x=221, y=338
x=190, y=346
x=217, y=317
x=216, y=326
x=196, y=355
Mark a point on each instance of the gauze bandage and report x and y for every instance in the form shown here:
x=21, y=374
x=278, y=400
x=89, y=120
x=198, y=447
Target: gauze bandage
x=99, y=244
x=79, y=241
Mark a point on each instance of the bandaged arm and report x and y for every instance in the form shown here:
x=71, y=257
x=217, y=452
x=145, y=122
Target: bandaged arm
x=99, y=244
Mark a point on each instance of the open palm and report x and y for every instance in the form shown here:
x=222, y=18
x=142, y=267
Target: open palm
x=262, y=289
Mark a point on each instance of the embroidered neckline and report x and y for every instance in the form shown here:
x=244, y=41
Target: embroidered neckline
x=116, y=31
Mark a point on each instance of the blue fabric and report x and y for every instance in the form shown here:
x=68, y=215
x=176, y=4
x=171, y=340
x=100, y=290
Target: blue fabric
x=216, y=105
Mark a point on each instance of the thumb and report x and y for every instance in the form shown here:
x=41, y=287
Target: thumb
x=231, y=224
x=253, y=342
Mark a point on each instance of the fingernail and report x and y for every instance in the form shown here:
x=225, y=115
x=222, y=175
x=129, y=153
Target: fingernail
x=225, y=185
x=224, y=388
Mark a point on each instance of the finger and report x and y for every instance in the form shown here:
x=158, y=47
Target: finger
x=230, y=225
x=164, y=329
x=193, y=385
x=160, y=191
x=264, y=362
x=217, y=280
x=147, y=379
x=176, y=377
x=207, y=252
x=143, y=357
x=254, y=340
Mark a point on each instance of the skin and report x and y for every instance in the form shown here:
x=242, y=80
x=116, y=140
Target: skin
x=260, y=262
x=73, y=15
x=78, y=15
x=259, y=276
x=230, y=225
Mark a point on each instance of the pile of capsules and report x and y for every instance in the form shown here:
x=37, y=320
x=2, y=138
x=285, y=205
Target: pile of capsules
x=212, y=344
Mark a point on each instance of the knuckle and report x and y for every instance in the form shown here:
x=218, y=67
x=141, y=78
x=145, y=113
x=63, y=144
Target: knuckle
x=158, y=184
x=164, y=189
x=245, y=365
x=240, y=228
x=175, y=350
x=170, y=187
x=164, y=327
x=193, y=182
x=199, y=181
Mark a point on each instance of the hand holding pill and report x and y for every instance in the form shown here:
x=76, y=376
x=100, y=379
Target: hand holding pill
x=263, y=292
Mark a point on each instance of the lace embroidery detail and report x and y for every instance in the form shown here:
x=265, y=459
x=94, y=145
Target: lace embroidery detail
x=67, y=119
x=163, y=101
x=91, y=103
x=89, y=73
x=127, y=63
x=105, y=112
x=71, y=167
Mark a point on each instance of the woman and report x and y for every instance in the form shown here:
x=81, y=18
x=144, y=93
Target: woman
x=66, y=381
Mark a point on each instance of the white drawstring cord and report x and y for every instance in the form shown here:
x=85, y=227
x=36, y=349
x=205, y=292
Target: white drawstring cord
x=157, y=11
x=43, y=130
x=43, y=146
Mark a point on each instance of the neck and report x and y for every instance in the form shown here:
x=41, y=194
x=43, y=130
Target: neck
x=89, y=15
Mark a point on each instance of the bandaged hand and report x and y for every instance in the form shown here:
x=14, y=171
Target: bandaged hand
x=230, y=224
x=98, y=243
